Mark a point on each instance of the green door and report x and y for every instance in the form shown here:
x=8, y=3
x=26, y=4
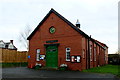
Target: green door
x=52, y=56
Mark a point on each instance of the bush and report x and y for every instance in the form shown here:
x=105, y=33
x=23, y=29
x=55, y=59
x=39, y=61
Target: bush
x=63, y=67
x=38, y=66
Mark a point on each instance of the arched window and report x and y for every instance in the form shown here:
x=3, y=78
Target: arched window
x=90, y=52
x=83, y=53
x=38, y=55
x=67, y=54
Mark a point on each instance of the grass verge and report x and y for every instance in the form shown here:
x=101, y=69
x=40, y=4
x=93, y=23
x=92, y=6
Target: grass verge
x=17, y=64
x=112, y=69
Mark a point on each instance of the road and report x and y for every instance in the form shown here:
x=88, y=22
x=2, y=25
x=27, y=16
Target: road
x=24, y=72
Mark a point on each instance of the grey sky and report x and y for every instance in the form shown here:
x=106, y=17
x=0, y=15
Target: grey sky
x=98, y=18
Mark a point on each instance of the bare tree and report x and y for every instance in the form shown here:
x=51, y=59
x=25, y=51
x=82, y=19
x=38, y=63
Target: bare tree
x=23, y=36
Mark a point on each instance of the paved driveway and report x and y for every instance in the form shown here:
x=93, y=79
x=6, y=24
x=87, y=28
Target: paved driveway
x=23, y=72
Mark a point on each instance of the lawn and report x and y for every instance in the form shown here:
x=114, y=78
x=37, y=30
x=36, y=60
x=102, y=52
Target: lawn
x=112, y=69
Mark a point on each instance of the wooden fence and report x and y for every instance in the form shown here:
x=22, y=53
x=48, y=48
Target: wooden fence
x=11, y=56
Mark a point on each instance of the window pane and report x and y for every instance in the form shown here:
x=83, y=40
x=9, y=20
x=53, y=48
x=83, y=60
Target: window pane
x=68, y=48
x=38, y=50
x=52, y=50
x=78, y=58
x=67, y=54
x=83, y=53
x=38, y=55
x=90, y=52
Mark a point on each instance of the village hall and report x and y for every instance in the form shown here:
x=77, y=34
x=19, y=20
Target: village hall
x=56, y=41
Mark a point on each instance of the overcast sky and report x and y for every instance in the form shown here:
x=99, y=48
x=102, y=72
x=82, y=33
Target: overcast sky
x=98, y=18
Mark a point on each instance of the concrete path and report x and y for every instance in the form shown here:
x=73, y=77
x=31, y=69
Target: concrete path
x=23, y=72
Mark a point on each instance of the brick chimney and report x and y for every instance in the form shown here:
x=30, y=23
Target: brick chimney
x=11, y=41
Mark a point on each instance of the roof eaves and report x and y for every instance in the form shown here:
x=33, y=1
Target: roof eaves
x=97, y=43
x=101, y=43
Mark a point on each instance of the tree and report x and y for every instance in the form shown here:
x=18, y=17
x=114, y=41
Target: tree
x=23, y=36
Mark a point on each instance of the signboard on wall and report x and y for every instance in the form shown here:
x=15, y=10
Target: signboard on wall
x=42, y=57
x=28, y=56
x=75, y=58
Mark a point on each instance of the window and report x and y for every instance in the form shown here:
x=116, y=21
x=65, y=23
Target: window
x=11, y=46
x=2, y=45
x=78, y=58
x=67, y=54
x=98, y=50
x=52, y=29
x=38, y=55
x=94, y=53
x=83, y=53
x=52, y=50
x=90, y=52
x=105, y=54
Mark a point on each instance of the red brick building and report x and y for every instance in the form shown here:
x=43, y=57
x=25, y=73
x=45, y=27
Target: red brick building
x=57, y=41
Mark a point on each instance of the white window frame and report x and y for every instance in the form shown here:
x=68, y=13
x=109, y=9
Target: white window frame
x=90, y=52
x=67, y=51
x=106, y=54
x=37, y=55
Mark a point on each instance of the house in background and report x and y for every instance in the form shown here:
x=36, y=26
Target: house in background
x=56, y=41
x=7, y=45
x=9, y=53
x=114, y=59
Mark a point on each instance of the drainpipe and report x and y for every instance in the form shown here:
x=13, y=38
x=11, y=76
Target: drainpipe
x=88, y=52
x=87, y=55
